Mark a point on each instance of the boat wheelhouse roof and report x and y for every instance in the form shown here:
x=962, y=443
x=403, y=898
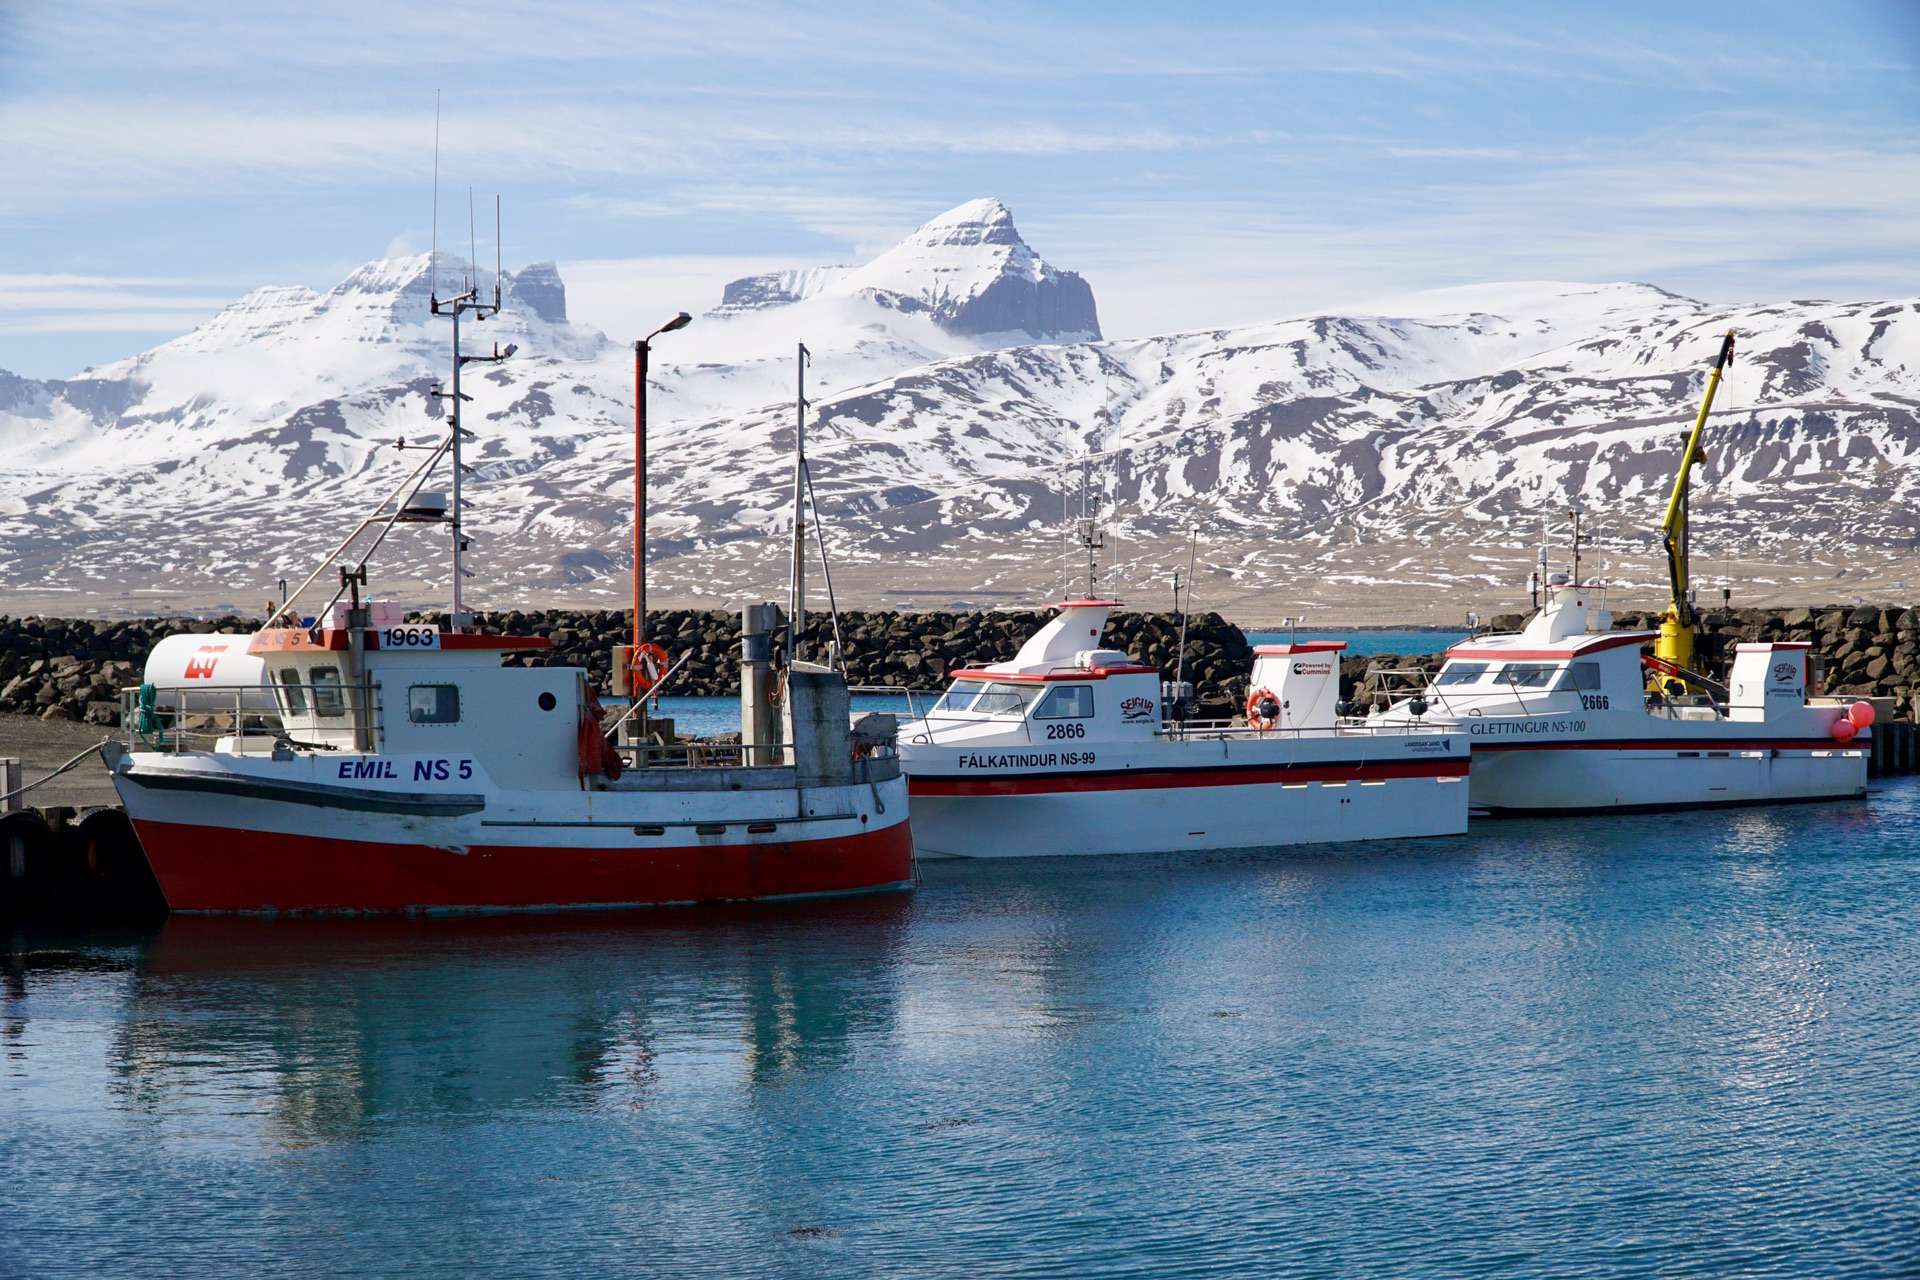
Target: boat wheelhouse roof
x=1521, y=647
x=298, y=639
x=1065, y=673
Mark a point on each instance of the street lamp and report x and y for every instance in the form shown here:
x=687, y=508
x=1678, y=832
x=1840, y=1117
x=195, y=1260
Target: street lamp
x=641, y=350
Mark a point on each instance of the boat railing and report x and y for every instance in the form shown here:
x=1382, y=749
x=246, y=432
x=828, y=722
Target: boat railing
x=913, y=696
x=1685, y=707
x=726, y=755
x=1383, y=686
x=929, y=714
x=186, y=719
x=701, y=755
x=1237, y=729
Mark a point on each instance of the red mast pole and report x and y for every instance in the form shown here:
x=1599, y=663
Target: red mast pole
x=641, y=350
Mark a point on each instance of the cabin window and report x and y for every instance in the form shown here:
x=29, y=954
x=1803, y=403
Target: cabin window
x=1461, y=672
x=434, y=704
x=1066, y=702
x=958, y=698
x=1579, y=676
x=1002, y=700
x=1528, y=675
x=980, y=698
x=292, y=696
x=329, y=697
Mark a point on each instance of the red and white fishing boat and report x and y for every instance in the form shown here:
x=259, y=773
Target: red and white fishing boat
x=404, y=768
x=1065, y=750
x=408, y=770
x=1561, y=721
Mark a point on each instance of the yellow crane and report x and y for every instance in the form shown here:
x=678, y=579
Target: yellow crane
x=1675, y=645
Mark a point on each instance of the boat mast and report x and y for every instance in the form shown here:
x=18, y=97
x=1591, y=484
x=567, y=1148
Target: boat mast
x=1574, y=512
x=467, y=301
x=1180, y=661
x=797, y=584
x=1092, y=537
x=454, y=522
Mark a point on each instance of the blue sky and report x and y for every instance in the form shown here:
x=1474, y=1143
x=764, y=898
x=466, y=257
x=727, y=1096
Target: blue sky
x=1201, y=165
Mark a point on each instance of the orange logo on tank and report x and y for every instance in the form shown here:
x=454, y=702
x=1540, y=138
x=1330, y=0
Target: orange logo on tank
x=200, y=665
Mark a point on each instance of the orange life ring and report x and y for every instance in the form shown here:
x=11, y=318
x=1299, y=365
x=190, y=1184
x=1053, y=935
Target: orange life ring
x=1257, y=718
x=646, y=663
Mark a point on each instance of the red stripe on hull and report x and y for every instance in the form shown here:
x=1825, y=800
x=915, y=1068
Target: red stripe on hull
x=1149, y=780
x=1671, y=744
x=204, y=868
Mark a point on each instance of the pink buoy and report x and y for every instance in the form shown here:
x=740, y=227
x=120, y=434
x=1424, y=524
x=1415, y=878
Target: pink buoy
x=1843, y=730
x=1861, y=714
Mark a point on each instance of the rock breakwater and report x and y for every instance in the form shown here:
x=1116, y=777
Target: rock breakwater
x=73, y=669
x=881, y=648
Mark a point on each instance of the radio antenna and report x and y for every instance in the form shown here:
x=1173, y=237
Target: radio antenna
x=467, y=302
x=433, y=253
x=496, y=251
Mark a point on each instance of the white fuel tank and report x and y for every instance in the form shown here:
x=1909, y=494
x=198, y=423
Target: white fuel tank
x=215, y=666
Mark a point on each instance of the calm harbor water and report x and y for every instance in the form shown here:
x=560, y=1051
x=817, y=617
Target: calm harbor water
x=1637, y=1046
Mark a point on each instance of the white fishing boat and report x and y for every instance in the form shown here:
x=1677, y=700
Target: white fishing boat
x=396, y=767
x=1066, y=749
x=1562, y=719
x=1567, y=716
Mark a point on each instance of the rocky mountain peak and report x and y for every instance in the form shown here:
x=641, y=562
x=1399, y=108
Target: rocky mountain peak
x=403, y=287
x=539, y=289
x=968, y=270
x=776, y=289
x=977, y=222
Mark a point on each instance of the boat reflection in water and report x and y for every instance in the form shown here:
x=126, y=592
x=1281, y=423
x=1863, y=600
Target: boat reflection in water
x=1388, y=1058
x=323, y=1027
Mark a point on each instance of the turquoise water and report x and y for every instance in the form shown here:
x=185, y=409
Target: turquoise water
x=1368, y=643
x=706, y=717
x=1639, y=1046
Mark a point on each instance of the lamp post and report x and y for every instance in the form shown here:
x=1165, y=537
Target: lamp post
x=641, y=350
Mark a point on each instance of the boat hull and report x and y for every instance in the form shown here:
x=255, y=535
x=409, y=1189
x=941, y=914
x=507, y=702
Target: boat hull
x=1151, y=811
x=248, y=838
x=225, y=869
x=1599, y=776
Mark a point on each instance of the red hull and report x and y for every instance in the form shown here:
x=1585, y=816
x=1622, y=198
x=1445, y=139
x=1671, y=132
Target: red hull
x=220, y=869
x=1041, y=784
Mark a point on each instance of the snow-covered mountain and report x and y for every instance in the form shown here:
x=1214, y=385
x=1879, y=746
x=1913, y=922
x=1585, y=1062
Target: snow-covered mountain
x=968, y=270
x=960, y=394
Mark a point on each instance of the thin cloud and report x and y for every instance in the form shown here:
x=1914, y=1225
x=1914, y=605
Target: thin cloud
x=1200, y=167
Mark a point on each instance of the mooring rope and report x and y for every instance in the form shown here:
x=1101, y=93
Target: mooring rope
x=56, y=773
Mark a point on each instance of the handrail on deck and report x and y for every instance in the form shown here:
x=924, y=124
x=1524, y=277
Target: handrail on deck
x=184, y=718
x=1340, y=727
